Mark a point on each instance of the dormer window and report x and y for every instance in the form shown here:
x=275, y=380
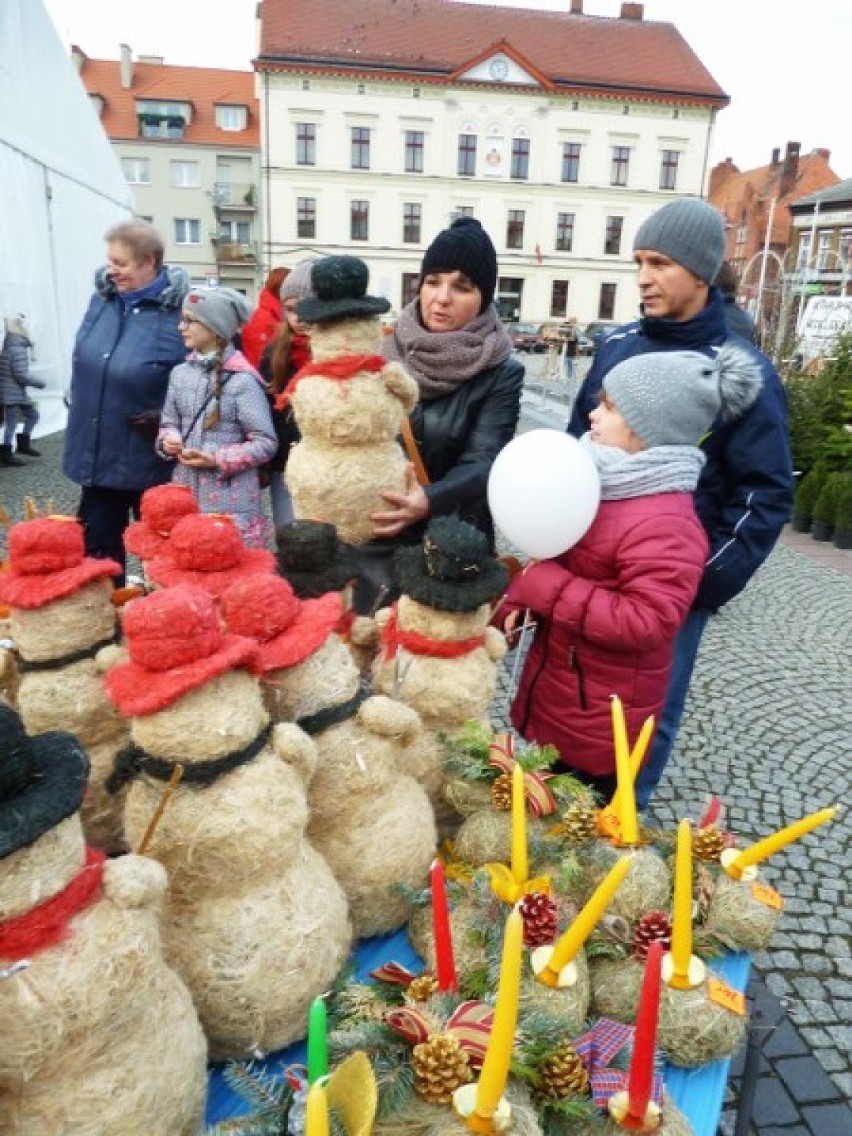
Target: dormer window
x=162, y=119
x=231, y=117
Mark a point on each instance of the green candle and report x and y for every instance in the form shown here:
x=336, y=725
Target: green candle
x=317, y=1041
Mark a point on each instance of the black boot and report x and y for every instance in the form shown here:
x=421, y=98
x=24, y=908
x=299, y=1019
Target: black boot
x=7, y=457
x=25, y=447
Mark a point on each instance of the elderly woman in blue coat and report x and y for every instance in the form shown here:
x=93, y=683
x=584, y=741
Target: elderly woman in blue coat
x=125, y=349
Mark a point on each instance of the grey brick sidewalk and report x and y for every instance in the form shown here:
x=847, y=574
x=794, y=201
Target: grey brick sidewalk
x=767, y=729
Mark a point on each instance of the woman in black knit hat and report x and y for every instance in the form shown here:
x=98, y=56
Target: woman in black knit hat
x=451, y=341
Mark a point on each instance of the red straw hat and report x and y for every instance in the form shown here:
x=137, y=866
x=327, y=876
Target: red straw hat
x=286, y=629
x=47, y=561
x=207, y=551
x=161, y=507
x=175, y=644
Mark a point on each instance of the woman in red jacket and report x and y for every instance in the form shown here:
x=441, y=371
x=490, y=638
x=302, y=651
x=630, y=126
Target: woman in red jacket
x=607, y=611
x=266, y=318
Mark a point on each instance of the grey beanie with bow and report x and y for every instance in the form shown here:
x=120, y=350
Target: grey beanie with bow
x=223, y=310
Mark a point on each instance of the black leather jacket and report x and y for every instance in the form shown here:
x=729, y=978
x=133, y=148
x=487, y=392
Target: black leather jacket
x=460, y=434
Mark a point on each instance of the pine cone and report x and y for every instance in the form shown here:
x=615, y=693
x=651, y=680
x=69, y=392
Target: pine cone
x=501, y=793
x=707, y=845
x=563, y=1074
x=538, y=912
x=654, y=926
x=422, y=988
x=580, y=824
x=440, y=1067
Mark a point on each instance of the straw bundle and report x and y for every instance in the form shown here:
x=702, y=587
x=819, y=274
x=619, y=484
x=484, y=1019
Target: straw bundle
x=100, y=1037
x=524, y=1121
x=568, y=1005
x=736, y=915
x=674, y=1123
x=615, y=988
x=693, y=1030
x=470, y=951
x=646, y=887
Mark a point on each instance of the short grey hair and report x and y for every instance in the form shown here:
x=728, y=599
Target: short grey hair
x=141, y=238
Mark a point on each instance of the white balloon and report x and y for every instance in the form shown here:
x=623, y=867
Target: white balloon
x=543, y=492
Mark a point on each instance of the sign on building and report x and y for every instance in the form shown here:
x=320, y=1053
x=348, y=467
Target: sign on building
x=825, y=318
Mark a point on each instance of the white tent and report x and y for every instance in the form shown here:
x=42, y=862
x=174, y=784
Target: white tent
x=61, y=187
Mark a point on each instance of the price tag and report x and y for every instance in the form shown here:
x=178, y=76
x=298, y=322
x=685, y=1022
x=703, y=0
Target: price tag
x=725, y=995
x=609, y=824
x=763, y=893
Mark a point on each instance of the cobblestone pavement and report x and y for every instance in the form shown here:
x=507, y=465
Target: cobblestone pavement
x=767, y=728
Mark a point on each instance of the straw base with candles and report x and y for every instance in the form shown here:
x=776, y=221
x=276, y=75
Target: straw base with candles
x=567, y=1005
x=672, y=1123
x=738, y=917
x=524, y=1119
x=615, y=986
x=648, y=884
x=470, y=951
x=485, y=837
x=693, y=1030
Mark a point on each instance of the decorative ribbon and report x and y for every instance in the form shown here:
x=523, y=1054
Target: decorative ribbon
x=47, y=924
x=508, y=890
x=712, y=813
x=394, y=637
x=343, y=367
x=597, y=1048
x=470, y=1023
x=26, y=666
x=393, y=973
x=133, y=760
x=536, y=793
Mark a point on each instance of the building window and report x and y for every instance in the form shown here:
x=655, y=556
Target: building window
x=804, y=251
x=570, y=161
x=520, y=158
x=184, y=174
x=237, y=232
x=306, y=84
x=231, y=117
x=668, y=169
x=187, y=231
x=359, y=155
x=559, y=298
x=462, y=211
x=162, y=119
x=410, y=282
x=306, y=218
x=414, y=143
x=411, y=217
x=564, y=232
x=606, y=304
x=620, y=165
x=467, y=155
x=844, y=248
x=510, y=292
x=824, y=250
x=359, y=221
x=306, y=144
x=612, y=241
x=137, y=171
x=515, y=229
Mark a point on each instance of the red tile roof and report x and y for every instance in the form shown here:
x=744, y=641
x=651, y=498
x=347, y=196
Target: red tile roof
x=204, y=87
x=431, y=39
x=740, y=188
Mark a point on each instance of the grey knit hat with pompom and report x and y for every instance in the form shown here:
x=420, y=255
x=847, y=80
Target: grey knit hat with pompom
x=672, y=398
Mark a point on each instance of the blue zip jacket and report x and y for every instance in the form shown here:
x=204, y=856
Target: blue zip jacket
x=122, y=359
x=745, y=492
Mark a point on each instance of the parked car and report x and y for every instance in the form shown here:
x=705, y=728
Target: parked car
x=598, y=331
x=526, y=337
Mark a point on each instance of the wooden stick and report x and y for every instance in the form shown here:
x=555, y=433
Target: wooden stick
x=174, y=781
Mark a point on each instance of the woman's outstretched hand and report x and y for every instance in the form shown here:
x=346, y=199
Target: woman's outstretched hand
x=408, y=507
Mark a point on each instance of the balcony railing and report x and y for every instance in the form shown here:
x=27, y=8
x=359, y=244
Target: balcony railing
x=230, y=252
x=234, y=195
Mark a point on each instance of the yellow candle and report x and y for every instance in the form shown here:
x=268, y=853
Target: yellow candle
x=681, y=951
x=572, y=940
x=495, y=1067
x=764, y=848
x=625, y=796
x=637, y=754
x=316, y=1111
x=519, y=826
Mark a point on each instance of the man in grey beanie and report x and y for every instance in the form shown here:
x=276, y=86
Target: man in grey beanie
x=745, y=491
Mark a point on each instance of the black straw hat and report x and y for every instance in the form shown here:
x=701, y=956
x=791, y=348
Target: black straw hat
x=312, y=559
x=452, y=570
x=339, y=285
x=42, y=781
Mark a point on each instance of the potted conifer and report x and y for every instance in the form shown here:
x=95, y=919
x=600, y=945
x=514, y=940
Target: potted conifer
x=843, y=514
x=807, y=492
x=825, y=507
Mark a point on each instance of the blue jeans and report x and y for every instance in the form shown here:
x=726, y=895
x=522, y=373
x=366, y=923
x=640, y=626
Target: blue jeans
x=685, y=653
x=26, y=413
x=105, y=514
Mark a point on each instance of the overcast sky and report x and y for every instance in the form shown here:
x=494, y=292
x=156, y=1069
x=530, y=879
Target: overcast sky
x=785, y=63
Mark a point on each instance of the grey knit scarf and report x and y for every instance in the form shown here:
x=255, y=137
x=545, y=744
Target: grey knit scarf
x=440, y=361
x=662, y=469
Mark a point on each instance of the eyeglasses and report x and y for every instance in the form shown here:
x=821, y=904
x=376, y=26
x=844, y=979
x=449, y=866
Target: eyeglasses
x=187, y=321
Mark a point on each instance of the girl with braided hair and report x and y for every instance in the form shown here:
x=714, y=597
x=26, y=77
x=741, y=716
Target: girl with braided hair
x=216, y=424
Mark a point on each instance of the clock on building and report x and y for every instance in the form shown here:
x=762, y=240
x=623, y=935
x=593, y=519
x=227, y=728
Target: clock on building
x=498, y=68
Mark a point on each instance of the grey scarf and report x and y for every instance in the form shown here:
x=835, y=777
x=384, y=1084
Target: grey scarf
x=662, y=469
x=440, y=361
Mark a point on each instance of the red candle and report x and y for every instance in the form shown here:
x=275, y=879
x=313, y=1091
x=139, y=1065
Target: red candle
x=641, y=1078
x=445, y=963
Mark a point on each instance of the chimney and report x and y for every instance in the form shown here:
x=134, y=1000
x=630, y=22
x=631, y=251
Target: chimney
x=78, y=58
x=790, y=168
x=125, y=67
x=776, y=156
x=632, y=11
x=577, y=7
